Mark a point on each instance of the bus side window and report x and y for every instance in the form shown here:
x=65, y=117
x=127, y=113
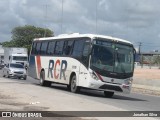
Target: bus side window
x=59, y=48
x=38, y=47
x=86, y=49
x=33, y=48
x=51, y=46
x=78, y=49
x=68, y=45
x=44, y=48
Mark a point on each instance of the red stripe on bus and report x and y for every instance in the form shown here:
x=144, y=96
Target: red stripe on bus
x=56, y=75
x=38, y=64
x=99, y=76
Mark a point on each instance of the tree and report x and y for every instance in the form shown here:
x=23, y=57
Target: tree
x=23, y=36
x=9, y=44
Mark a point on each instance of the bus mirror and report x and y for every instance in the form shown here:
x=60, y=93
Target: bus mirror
x=134, y=54
x=134, y=51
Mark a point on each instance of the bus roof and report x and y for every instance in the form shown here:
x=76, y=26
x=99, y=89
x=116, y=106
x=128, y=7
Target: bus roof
x=77, y=35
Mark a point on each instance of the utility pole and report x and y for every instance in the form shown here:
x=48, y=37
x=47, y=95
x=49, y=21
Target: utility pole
x=45, y=16
x=140, y=44
x=141, y=57
x=62, y=18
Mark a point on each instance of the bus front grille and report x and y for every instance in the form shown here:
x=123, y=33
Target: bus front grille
x=110, y=87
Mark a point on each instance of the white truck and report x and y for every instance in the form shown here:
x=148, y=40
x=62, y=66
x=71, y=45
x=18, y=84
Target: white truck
x=16, y=55
x=1, y=57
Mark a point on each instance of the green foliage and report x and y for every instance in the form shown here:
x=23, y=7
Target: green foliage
x=9, y=44
x=157, y=60
x=23, y=36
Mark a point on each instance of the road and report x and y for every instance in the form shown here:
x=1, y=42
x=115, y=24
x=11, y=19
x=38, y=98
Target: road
x=28, y=95
x=132, y=102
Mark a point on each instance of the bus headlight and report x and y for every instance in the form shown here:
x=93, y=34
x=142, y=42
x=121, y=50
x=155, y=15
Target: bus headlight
x=93, y=75
x=128, y=81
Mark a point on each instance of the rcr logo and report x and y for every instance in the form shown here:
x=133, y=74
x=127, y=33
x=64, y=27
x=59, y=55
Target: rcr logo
x=52, y=71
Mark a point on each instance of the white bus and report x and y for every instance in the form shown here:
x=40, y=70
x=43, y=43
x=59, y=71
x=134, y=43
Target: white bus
x=83, y=60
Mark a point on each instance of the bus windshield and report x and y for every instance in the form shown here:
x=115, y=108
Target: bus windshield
x=112, y=57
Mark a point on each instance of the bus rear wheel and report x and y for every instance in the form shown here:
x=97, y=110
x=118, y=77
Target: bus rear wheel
x=43, y=82
x=73, y=85
x=108, y=94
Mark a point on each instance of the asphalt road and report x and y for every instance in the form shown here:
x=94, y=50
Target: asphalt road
x=131, y=102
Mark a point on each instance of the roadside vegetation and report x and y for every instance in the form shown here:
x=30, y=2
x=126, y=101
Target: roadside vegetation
x=23, y=36
x=151, y=61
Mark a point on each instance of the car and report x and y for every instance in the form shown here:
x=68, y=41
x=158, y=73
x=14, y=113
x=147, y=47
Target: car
x=14, y=70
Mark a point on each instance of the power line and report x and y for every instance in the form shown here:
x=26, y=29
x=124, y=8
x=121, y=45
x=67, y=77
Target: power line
x=46, y=15
x=146, y=45
x=62, y=18
x=150, y=46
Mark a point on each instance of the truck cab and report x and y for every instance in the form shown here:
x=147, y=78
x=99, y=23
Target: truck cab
x=16, y=55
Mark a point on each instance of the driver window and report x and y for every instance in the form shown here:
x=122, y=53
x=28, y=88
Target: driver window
x=86, y=49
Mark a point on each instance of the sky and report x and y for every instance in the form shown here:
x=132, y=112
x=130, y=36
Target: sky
x=133, y=20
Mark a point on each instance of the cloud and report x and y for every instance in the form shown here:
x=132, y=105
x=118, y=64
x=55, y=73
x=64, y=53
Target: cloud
x=137, y=20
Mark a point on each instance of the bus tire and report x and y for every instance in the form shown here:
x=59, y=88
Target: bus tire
x=108, y=94
x=42, y=81
x=73, y=86
x=69, y=87
x=25, y=78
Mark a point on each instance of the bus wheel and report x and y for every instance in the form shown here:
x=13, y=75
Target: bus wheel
x=25, y=78
x=42, y=81
x=108, y=94
x=69, y=87
x=74, y=88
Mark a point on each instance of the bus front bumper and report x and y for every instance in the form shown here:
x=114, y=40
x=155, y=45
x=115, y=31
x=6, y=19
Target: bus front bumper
x=104, y=86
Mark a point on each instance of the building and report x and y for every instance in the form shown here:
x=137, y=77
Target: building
x=148, y=57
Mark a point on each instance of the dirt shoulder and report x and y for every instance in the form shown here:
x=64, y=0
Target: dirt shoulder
x=147, y=74
x=146, y=81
